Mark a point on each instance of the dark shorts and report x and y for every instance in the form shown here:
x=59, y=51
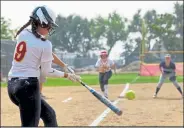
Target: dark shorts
x=25, y=93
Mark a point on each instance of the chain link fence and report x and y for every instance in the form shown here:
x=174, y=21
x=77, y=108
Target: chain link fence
x=7, y=50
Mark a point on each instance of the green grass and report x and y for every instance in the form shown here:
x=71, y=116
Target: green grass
x=115, y=79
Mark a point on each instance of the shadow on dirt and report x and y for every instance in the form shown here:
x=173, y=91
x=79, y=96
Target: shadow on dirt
x=159, y=98
x=167, y=98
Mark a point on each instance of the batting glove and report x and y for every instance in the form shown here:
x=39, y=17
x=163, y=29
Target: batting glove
x=68, y=69
x=73, y=77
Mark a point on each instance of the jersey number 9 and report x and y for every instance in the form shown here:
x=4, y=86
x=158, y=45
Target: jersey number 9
x=20, y=51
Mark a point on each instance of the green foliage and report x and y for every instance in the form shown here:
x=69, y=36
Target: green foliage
x=111, y=28
x=130, y=51
x=165, y=29
x=6, y=32
x=73, y=35
x=178, y=18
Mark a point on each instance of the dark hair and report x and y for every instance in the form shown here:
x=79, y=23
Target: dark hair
x=23, y=27
x=34, y=24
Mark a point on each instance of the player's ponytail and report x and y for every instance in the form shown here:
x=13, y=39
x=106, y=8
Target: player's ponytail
x=23, y=27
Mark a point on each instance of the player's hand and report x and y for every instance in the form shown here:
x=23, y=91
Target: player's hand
x=73, y=77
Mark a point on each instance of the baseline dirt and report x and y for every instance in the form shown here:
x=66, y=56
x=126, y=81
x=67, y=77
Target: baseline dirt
x=84, y=108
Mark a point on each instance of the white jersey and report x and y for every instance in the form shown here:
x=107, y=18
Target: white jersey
x=107, y=64
x=28, y=55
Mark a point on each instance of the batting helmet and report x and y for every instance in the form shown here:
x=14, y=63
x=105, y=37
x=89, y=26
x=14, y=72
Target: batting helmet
x=44, y=17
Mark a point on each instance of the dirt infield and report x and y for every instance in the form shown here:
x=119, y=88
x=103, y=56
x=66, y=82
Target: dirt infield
x=83, y=109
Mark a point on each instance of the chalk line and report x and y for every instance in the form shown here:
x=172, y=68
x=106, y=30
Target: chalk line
x=68, y=99
x=104, y=114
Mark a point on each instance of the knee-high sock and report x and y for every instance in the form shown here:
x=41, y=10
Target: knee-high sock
x=106, y=90
x=160, y=83
x=177, y=86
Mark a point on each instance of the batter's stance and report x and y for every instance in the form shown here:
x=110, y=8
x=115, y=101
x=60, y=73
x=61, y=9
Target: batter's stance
x=104, y=66
x=32, y=51
x=167, y=69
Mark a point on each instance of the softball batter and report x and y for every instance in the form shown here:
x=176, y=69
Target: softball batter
x=167, y=69
x=104, y=66
x=32, y=51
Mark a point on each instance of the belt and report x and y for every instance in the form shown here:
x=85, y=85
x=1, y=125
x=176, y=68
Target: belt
x=21, y=78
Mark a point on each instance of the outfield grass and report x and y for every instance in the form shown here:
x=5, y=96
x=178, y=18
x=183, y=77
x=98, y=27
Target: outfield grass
x=93, y=80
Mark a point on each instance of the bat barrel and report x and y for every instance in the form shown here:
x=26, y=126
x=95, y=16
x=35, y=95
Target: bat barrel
x=114, y=109
x=107, y=102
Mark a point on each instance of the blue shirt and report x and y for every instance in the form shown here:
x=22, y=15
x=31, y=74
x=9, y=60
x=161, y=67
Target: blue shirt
x=167, y=69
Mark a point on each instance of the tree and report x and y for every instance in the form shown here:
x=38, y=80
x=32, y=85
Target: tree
x=63, y=37
x=178, y=18
x=149, y=18
x=168, y=29
x=111, y=28
x=6, y=32
x=87, y=43
x=163, y=29
x=73, y=35
x=133, y=44
x=178, y=22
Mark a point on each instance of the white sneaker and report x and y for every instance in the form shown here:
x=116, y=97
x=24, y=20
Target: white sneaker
x=155, y=96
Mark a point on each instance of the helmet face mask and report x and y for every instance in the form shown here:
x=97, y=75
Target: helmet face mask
x=49, y=27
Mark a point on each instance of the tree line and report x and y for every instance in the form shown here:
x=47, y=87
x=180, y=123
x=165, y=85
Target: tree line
x=79, y=35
